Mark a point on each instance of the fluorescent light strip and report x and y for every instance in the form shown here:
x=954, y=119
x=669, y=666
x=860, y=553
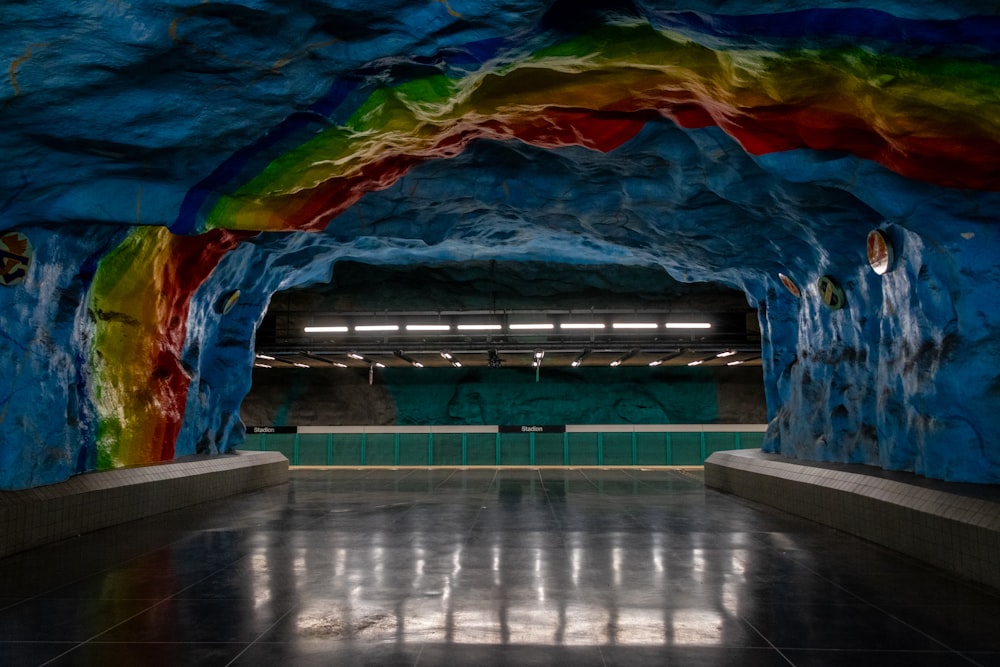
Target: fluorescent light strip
x=297, y=364
x=616, y=363
x=417, y=364
x=734, y=363
x=478, y=327
x=264, y=356
x=696, y=363
x=575, y=363
x=635, y=325
x=325, y=329
x=261, y=366
x=428, y=327
x=581, y=325
x=339, y=365
x=688, y=325
x=363, y=328
x=727, y=353
x=532, y=327
x=355, y=355
x=656, y=363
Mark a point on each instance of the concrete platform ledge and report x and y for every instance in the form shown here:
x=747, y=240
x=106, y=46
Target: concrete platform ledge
x=38, y=516
x=952, y=526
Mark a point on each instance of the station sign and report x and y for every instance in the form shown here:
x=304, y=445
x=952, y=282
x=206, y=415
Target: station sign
x=544, y=428
x=268, y=430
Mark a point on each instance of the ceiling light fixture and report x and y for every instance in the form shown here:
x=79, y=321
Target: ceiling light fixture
x=579, y=360
x=734, y=363
x=634, y=325
x=355, y=355
x=298, y=365
x=581, y=325
x=337, y=329
x=699, y=362
x=261, y=366
x=727, y=353
x=408, y=359
x=366, y=328
x=446, y=355
x=688, y=325
x=625, y=357
x=428, y=327
x=665, y=358
x=478, y=327
x=339, y=365
x=264, y=356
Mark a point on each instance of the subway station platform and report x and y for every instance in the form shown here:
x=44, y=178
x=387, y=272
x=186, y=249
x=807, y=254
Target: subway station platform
x=486, y=566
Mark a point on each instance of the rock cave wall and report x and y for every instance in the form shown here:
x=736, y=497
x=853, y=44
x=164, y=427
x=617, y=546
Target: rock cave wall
x=163, y=156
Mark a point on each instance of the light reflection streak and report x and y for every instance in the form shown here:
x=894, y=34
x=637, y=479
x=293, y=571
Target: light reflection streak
x=616, y=565
x=340, y=561
x=496, y=565
x=640, y=627
x=658, y=556
x=586, y=625
x=533, y=625
x=260, y=580
x=697, y=627
x=698, y=562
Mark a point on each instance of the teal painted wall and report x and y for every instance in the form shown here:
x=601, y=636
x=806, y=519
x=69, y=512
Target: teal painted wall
x=505, y=396
x=590, y=396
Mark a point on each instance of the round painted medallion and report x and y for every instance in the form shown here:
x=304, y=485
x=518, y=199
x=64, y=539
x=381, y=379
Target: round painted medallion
x=15, y=257
x=880, y=254
x=831, y=293
x=227, y=302
x=790, y=285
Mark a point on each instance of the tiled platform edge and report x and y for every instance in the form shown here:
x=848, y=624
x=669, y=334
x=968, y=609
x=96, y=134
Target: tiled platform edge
x=88, y=502
x=956, y=531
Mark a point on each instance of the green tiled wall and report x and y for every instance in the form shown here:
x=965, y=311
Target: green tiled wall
x=518, y=449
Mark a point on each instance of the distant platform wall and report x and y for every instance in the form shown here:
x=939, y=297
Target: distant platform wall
x=491, y=445
x=46, y=514
x=953, y=526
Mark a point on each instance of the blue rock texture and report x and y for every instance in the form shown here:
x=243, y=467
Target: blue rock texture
x=111, y=114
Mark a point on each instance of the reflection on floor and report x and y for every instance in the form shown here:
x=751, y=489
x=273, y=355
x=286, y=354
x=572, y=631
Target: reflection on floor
x=484, y=566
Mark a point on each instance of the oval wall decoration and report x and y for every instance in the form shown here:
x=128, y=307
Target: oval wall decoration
x=831, y=293
x=15, y=257
x=790, y=285
x=227, y=302
x=880, y=253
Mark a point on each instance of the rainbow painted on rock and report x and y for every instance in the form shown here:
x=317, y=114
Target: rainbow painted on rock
x=920, y=117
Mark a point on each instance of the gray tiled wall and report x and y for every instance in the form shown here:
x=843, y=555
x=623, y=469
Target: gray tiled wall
x=956, y=531
x=84, y=503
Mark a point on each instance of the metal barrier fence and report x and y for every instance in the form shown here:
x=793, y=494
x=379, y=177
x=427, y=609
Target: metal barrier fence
x=583, y=445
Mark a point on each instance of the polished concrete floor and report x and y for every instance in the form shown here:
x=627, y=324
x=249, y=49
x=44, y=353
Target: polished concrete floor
x=483, y=567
